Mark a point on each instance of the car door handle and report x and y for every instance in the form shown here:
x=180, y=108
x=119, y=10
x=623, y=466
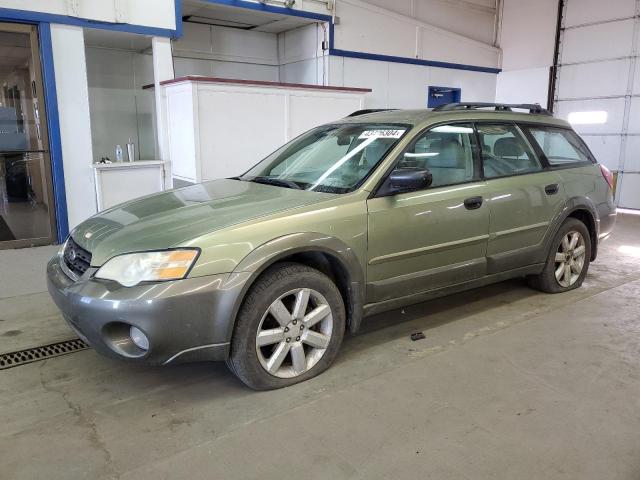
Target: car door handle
x=551, y=189
x=473, y=203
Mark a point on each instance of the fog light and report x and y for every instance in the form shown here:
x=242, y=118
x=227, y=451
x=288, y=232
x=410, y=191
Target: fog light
x=139, y=338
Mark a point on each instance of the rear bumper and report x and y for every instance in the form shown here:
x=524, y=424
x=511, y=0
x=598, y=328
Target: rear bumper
x=607, y=215
x=184, y=320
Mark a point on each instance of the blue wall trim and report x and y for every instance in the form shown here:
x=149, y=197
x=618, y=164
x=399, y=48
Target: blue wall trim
x=53, y=124
x=411, y=61
x=263, y=7
x=10, y=14
x=178, y=32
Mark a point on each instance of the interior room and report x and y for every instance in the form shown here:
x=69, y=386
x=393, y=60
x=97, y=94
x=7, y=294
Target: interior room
x=327, y=239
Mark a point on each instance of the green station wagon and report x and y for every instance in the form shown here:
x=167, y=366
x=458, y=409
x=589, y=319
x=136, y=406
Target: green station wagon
x=379, y=210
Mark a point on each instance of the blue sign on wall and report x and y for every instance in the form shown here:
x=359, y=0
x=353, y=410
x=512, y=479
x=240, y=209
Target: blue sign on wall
x=442, y=95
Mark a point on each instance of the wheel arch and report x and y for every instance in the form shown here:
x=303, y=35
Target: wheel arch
x=583, y=209
x=586, y=217
x=330, y=255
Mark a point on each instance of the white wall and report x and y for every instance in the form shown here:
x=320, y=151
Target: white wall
x=120, y=108
x=301, y=57
x=75, y=122
x=293, y=56
x=364, y=27
x=472, y=18
x=423, y=29
x=528, y=85
x=226, y=52
x=527, y=38
x=528, y=33
x=397, y=85
x=296, y=56
x=149, y=13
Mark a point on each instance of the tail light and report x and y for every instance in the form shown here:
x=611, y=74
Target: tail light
x=608, y=176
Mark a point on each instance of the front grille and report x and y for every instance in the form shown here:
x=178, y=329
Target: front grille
x=76, y=258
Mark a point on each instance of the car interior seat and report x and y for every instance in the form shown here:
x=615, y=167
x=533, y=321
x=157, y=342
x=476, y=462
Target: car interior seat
x=450, y=165
x=512, y=151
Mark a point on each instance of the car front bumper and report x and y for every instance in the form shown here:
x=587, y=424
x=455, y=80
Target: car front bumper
x=183, y=320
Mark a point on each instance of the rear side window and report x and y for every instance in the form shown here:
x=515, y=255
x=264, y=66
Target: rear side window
x=560, y=146
x=505, y=151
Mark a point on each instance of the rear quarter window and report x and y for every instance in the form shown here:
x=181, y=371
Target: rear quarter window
x=560, y=146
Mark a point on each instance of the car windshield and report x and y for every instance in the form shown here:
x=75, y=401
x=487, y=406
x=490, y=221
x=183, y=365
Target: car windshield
x=331, y=158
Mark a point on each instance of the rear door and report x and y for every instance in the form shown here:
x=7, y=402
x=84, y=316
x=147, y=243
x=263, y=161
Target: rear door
x=522, y=194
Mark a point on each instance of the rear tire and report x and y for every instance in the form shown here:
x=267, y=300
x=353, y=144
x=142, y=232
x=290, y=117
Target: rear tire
x=289, y=328
x=568, y=260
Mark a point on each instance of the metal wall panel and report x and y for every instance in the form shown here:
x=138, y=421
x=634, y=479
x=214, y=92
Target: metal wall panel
x=597, y=42
x=632, y=154
x=579, y=12
x=606, y=149
x=606, y=79
x=599, y=71
x=629, y=190
x=634, y=116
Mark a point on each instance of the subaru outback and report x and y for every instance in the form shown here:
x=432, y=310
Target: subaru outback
x=382, y=209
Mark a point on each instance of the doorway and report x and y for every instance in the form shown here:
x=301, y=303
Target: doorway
x=27, y=216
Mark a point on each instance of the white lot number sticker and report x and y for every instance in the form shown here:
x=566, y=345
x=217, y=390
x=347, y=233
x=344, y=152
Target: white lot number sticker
x=381, y=134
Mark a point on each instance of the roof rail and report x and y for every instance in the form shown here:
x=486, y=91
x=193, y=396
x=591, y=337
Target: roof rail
x=533, y=108
x=357, y=113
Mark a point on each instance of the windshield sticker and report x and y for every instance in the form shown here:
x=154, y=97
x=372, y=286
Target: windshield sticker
x=381, y=134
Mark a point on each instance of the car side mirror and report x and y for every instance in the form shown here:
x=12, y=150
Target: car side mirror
x=409, y=179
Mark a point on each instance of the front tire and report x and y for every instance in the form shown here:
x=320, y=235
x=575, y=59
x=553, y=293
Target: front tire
x=568, y=261
x=289, y=328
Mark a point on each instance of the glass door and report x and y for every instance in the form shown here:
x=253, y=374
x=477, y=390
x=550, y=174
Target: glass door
x=27, y=216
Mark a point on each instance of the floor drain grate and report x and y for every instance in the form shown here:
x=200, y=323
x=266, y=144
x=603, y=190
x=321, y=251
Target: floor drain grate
x=15, y=359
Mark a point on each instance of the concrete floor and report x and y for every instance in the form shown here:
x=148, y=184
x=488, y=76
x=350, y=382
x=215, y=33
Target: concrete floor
x=509, y=383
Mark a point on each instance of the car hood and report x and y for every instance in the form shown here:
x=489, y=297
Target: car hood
x=174, y=217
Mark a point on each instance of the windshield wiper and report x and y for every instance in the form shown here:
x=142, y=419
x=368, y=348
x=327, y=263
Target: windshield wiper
x=277, y=182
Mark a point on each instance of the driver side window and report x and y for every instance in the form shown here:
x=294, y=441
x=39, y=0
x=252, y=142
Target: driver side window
x=447, y=151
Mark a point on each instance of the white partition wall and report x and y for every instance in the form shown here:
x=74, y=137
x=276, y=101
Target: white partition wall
x=75, y=121
x=220, y=129
x=598, y=79
x=527, y=52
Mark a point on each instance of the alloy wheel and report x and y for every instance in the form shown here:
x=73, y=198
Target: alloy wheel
x=569, y=259
x=294, y=333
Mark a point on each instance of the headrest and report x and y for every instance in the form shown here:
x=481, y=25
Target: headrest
x=451, y=155
x=508, y=147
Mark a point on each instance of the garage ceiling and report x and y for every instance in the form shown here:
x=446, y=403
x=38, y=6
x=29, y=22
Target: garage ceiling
x=222, y=15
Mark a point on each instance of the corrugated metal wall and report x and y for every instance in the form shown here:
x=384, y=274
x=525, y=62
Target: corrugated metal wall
x=598, y=72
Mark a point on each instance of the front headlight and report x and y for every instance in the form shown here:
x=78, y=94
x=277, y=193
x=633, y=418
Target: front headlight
x=132, y=268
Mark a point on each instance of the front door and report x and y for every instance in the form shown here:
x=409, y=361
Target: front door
x=435, y=237
x=26, y=200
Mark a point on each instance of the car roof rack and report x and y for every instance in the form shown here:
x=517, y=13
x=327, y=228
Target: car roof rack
x=534, y=108
x=357, y=113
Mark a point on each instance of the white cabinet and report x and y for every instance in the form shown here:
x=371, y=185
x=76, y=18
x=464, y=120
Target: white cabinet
x=123, y=181
x=220, y=128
